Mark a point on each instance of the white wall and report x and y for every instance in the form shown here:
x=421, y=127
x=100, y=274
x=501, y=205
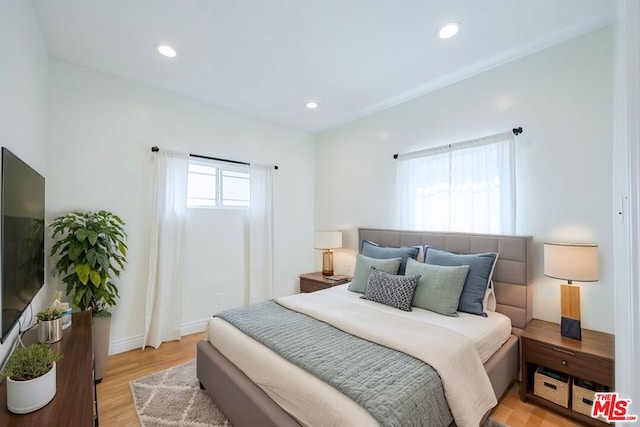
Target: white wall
x=561, y=96
x=100, y=134
x=626, y=190
x=23, y=100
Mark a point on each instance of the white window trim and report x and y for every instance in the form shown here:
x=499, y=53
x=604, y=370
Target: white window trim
x=221, y=167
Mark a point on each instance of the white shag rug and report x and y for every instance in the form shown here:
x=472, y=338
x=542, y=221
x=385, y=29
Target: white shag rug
x=173, y=398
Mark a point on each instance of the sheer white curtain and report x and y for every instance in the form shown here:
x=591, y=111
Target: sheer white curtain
x=163, y=311
x=468, y=186
x=261, y=234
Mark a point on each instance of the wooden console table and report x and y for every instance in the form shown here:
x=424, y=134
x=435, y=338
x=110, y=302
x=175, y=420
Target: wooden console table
x=75, y=402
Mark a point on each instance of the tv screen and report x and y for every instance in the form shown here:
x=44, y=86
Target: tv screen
x=22, y=238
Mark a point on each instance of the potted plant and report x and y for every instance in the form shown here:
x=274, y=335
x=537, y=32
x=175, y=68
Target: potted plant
x=31, y=378
x=49, y=325
x=91, y=249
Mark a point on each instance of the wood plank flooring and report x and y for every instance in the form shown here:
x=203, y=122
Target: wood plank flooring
x=115, y=403
x=116, y=409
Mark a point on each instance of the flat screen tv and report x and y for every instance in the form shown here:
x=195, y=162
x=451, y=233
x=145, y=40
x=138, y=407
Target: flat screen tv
x=22, y=238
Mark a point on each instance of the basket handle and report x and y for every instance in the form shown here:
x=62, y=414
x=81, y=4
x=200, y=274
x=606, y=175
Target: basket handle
x=553, y=386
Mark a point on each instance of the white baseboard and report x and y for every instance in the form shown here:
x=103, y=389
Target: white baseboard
x=132, y=343
x=194, y=327
x=126, y=344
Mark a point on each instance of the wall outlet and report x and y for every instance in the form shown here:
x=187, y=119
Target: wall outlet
x=220, y=298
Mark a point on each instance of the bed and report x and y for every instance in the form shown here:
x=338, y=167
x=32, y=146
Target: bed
x=246, y=404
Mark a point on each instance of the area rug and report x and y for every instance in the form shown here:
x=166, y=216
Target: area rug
x=173, y=398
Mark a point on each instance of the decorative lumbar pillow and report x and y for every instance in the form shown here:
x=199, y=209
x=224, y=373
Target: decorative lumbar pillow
x=439, y=287
x=363, y=268
x=390, y=289
x=480, y=271
x=373, y=250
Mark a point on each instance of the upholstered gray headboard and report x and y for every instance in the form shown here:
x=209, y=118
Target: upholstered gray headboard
x=512, y=276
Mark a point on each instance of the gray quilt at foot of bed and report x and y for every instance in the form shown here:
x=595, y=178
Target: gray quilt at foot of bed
x=395, y=388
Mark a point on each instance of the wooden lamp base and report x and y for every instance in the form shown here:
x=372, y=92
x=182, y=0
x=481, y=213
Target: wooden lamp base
x=570, y=311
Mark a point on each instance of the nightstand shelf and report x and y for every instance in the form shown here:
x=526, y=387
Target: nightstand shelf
x=590, y=359
x=312, y=282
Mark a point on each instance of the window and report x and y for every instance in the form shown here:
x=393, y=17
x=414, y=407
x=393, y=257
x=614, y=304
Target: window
x=466, y=187
x=217, y=184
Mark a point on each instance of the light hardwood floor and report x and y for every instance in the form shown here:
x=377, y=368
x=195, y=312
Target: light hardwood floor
x=116, y=409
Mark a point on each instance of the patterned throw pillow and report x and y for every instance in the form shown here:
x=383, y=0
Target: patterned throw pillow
x=389, y=289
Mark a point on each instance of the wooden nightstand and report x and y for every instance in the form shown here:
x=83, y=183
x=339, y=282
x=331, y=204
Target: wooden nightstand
x=312, y=282
x=591, y=359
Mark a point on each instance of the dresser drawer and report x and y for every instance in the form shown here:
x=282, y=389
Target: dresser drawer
x=570, y=362
x=311, y=286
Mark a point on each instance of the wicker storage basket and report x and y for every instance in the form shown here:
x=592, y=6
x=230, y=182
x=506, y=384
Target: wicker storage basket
x=583, y=394
x=551, y=385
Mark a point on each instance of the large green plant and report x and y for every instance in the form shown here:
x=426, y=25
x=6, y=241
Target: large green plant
x=92, y=249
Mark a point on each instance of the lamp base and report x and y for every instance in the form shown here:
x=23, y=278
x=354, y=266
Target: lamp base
x=570, y=328
x=327, y=263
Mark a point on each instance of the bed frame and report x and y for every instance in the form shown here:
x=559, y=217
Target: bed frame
x=245, y=404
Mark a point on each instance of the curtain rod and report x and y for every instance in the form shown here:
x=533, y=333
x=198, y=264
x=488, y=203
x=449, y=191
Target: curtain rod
x=516, y=131
x=155, y=149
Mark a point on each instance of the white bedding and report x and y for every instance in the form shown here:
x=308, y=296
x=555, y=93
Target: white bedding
x=314, y=403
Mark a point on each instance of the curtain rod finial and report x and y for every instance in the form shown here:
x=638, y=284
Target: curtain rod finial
x=276, y=167
x=155, y=149
x=395, y=156
x=517, y=131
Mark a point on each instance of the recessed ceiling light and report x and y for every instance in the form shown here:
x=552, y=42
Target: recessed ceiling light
x=167, y=51
x=312, y=105
x=448, y=31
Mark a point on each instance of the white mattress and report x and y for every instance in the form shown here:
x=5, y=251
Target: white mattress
x=311, y=401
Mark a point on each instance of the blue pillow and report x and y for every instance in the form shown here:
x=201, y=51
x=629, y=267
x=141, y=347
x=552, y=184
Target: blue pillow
x=480, y=271
x=373, y=250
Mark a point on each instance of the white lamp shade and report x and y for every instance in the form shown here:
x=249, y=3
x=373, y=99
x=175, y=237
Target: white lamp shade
x=328, y=239
x=571, y=261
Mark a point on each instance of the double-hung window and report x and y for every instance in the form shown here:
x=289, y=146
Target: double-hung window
x=215, y=184
x=467, y=187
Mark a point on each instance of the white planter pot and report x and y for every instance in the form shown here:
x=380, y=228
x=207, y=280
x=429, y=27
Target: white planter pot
x=28, y=396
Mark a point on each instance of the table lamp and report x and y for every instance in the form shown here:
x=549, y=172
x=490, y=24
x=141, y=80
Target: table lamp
x=326, y=240
x=571, y=261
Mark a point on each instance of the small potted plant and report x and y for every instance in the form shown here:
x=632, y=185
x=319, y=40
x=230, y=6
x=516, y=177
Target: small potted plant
x=49, y=325
x=31, y=378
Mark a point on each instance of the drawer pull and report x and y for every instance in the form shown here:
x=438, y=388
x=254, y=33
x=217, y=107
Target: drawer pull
x=587, y=401
x=562, y=350
x=553, y=386
x=564, y=362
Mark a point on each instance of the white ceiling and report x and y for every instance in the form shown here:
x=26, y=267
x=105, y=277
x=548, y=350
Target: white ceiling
x=266, y=58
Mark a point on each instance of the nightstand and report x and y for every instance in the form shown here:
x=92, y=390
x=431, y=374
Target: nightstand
x=312, y=282
x=591, y=359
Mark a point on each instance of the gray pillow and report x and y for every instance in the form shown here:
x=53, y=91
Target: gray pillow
x=392, y=290
x=480, y=272
x=439, y=287
x=373, y=250
x=363, y=268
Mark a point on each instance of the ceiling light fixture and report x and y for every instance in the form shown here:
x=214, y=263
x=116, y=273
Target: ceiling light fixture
x=448, y=31
x=312, y=105
x=167, y=51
